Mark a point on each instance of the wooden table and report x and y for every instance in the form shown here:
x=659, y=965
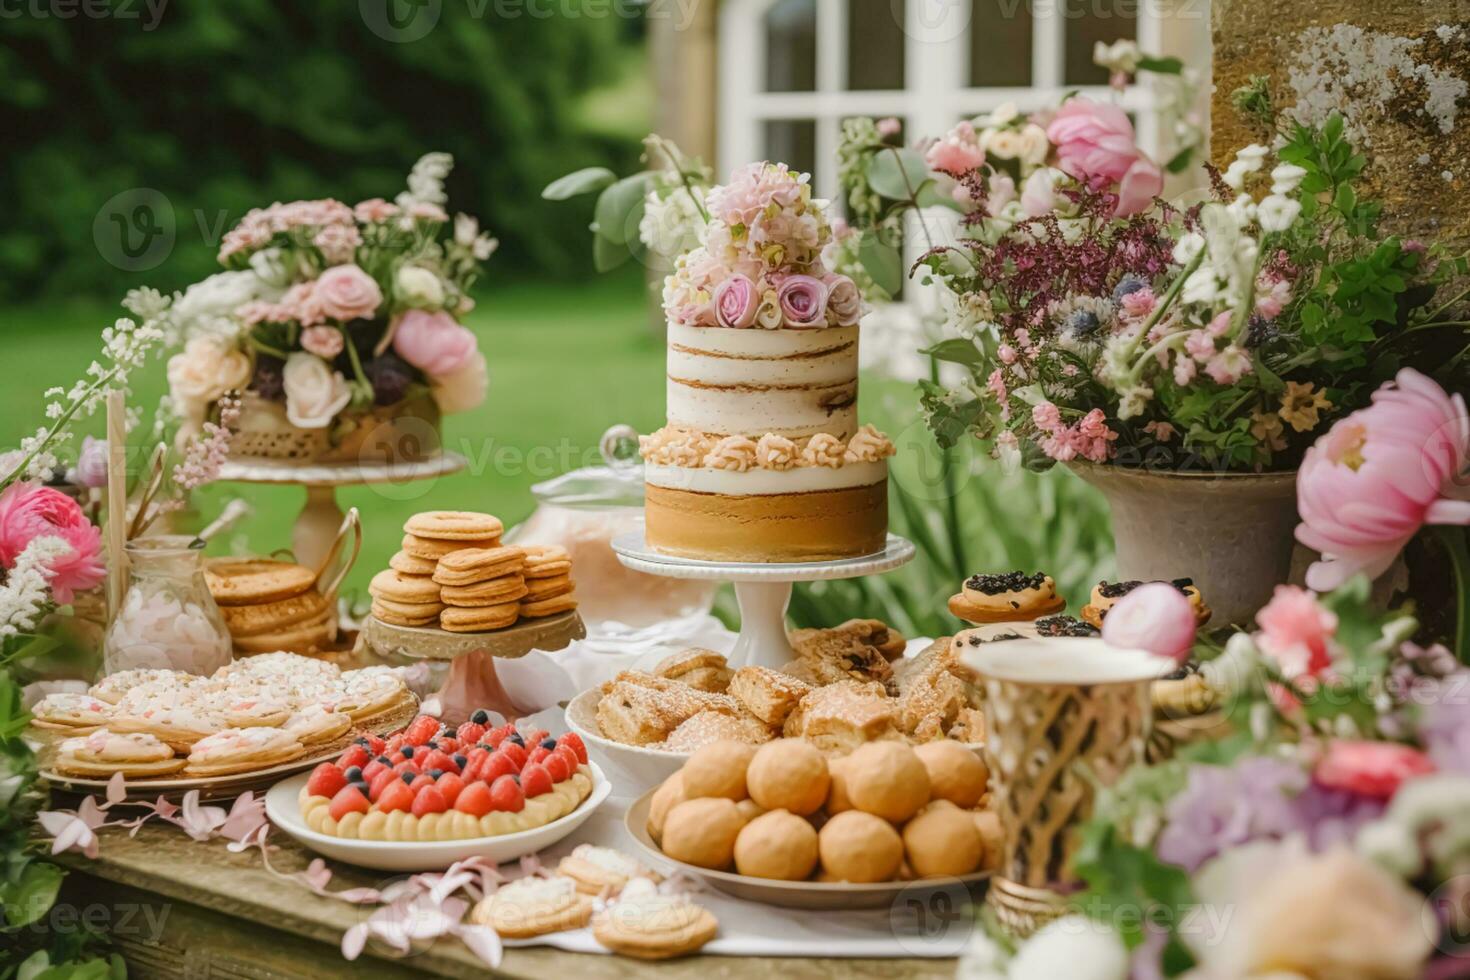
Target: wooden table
x=178, y=908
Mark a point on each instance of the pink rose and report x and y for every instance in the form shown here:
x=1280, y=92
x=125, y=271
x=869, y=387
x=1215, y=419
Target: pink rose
x=1379, y=475
x=1296, y=631
x=1375, y=769
x=1155, y=617
x=433, y=342
x=324, y=342
x=803, y=301
x=735, y=302
x=28, y=512
x=844, y=302
x=345, y=292
x=1094, y=140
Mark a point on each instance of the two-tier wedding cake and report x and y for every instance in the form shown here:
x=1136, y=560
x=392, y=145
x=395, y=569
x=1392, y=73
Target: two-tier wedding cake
x=762, y=459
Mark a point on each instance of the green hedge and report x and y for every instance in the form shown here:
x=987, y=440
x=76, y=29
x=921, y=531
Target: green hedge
x=228, y=104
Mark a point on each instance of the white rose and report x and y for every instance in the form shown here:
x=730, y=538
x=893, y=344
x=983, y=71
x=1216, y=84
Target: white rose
x=420, y=288
x=1075, y=947
x=314, y=392
x=210, y=304
x=464, y=389
x=1004, y=143
x=1034, y=145
x=204, y=370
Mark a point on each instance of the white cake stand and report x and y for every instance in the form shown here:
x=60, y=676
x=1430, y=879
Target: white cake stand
x=763, y=589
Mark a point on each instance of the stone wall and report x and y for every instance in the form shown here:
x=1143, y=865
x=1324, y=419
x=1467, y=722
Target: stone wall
x=1398, y=70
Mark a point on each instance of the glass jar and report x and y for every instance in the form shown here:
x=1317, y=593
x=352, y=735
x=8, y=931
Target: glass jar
x=583, y=511
x=167, y=618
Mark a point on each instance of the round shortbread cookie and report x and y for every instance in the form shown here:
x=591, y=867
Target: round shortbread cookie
x=408, y=564
x=454, y=525
x=312, y=635
x=481, y=619
x=533, y=906
x=316, y=723
x=538, y=555
x=240, y=582
x=386, y=615
x=548, y=569
x=273, y=617
x=409, y=609
x=507, y=588
x=432, y=550
x=478, y=565
x=548, y=588
x=549, y=607
x=647, y=925
x=394, y=586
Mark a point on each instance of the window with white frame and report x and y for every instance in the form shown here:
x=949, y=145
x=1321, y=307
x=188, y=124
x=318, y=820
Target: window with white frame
x=792, y=70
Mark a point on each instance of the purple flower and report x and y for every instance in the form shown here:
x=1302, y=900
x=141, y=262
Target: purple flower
x=736, y=301
x=91, y=469
x=1444, y=720
x=803, y=301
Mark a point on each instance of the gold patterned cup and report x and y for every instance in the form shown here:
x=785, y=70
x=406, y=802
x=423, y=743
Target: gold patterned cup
x=1062, y=715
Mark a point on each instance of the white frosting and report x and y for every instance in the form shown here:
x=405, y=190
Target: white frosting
x=803, y=479
x=750, y=382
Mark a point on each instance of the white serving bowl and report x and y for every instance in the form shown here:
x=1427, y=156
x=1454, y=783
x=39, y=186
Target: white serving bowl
x=635, y=768
x=283, y=808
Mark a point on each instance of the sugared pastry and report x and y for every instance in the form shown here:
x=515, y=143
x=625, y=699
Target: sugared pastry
x=112, y=687
x=788, y=774
x=367, y=692
x=955, y=772
x=1106, y=594
x=471, y=565
x=243, y=749
x=641, y=709
x=454, y=525
x=860, y=848
x=478, y=619
x=176, y=723
x=969, y=727
x=256, y=712
x=702, y=669
x=669, y=794
x=777, y=844
x=887, y=780
x=601, y=870
x=104, y=753
x=840, y=717
x=533, y=906
x=770, y=695
x=66, y=711
x=1064, y=626
x=647, y=925
x=719, y=769
x=701, y=729
x=702, y=832
x=943, y=840
x=1011, y=597
x=836, y=655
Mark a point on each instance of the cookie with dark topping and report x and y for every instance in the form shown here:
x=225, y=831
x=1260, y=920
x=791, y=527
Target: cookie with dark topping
x=1006, y=597
x=1106, y=594
x=1064, y=626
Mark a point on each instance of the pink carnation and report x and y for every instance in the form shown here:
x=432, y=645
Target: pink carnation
x=433, y=342
x=28, y=512
x=1374, y=769
x=1047, y=417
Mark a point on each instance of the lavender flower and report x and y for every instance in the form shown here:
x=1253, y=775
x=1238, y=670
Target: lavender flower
x=206, y=454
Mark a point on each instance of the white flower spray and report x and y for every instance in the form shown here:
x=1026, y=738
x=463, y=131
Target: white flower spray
x=26, y=594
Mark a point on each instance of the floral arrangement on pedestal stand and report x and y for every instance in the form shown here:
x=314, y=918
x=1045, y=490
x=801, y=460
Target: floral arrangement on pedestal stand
x=338, y=324
x=1173, y=356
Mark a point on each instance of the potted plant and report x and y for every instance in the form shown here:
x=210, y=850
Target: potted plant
x=1180, y=358
x=340, y=324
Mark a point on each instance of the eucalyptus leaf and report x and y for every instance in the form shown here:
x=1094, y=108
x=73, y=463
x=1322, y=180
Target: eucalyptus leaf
x=929, y=196
x=882, y=262
x=620, y=206
x=607, y=255
x=583, y=181
x=897, y=173
x=955, y=350
x=1161, y=66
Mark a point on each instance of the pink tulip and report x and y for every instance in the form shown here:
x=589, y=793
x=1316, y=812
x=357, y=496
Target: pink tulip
x=1155, y=617
x=1375, y=769
x=1381, y=474
x=735, y=302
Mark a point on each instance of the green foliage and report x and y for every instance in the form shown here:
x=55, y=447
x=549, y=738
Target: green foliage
x=222, y=107
x=1253, y=100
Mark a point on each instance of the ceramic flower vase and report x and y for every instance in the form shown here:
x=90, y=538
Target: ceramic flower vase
x=1229, y=532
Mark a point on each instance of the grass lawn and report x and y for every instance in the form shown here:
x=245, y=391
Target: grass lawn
x=566, y=361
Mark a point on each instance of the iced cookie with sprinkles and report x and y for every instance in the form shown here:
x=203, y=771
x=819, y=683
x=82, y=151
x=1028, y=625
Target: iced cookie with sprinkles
x=104, y=753
x=1007, y=597
x=649, y=925
x=533, y=906
x=598, y=870
x=242, y=750
x=65, y=711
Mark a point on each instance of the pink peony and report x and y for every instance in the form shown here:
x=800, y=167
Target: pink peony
x=345, y=292
x=433, y=342
x=1095, y=143
x=1368, y=485
x=1296, y=631
x=324, y=342
x=803, y=301
x=28, y=512
x=735, y=302
x=844, y=302
x=1375, y=769
x=1155, y=617
x=1143, y=182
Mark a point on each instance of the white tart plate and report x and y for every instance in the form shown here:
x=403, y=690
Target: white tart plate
x=283, y=808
